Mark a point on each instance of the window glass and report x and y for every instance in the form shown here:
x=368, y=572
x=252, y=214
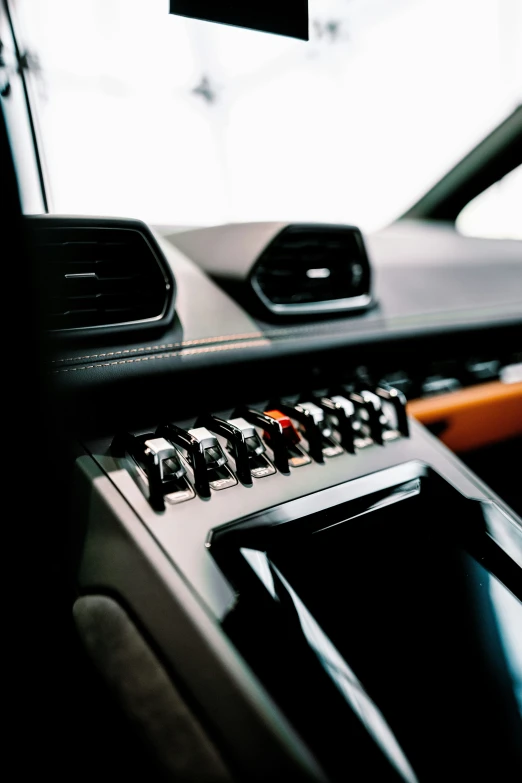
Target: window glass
x=145, y=114
x=497, y=212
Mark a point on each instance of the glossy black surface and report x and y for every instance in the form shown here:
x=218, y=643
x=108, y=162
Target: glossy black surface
x=386, y=628
x=126, y=443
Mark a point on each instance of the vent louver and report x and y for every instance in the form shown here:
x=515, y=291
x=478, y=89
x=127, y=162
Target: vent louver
x=313, y=269
x=100, y=275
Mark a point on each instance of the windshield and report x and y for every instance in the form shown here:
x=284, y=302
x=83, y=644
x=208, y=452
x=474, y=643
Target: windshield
x=181, y=122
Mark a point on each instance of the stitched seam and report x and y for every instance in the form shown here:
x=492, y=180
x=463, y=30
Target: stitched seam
x=247, y=336
x=172, y=355
x=200, y=341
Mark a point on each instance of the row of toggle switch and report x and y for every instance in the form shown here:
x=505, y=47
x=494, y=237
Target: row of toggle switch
x=295, y=434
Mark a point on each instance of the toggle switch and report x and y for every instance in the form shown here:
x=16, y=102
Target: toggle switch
x=235, y=440
x=367, y=425
x=157, y=468
x=243, y=443
x=296, y=455
x=204, y=454
x=330, y=447
x=273, y=434
x=259, y=464
x=308, y=427
x=194, y=450
x=218, y=472
x=394, y=419
x=342, y=413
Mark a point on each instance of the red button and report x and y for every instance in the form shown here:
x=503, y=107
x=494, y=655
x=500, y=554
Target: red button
x=289, y=430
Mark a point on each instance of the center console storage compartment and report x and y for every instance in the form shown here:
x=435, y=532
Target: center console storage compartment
x=387, y=628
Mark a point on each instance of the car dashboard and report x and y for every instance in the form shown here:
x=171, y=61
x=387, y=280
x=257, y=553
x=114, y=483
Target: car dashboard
x=260, y=515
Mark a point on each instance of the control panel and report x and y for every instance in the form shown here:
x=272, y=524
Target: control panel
x=175, y=464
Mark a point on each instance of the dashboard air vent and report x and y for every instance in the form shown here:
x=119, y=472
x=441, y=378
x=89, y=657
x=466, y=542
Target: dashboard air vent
x=313, y=269
x=100, y=273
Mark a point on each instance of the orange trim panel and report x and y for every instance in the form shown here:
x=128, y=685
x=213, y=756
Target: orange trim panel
x=473, y=417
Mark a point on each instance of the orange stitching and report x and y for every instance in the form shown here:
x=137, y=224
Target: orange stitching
x=221, y=338
x=213, y=349
x=245, y=336
x=248, y=337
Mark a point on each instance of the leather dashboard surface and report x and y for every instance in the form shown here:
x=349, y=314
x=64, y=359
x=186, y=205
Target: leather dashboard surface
x=427, y=280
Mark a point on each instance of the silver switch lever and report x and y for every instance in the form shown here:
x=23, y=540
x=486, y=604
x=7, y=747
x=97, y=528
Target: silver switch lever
x=219, y=474
x=172, y=473
x=162, y=451
x=330, y=446
x=393, y=418
x=156, y=466
x=260, y=465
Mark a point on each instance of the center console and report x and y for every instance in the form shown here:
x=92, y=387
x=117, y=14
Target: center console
x=339, y=596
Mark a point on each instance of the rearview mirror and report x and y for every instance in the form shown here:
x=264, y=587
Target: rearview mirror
x=283, y=17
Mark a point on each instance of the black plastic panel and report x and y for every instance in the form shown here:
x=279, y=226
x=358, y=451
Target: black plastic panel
x=397, y=609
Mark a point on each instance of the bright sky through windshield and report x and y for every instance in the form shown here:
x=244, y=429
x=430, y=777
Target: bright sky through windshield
x=186, y=123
